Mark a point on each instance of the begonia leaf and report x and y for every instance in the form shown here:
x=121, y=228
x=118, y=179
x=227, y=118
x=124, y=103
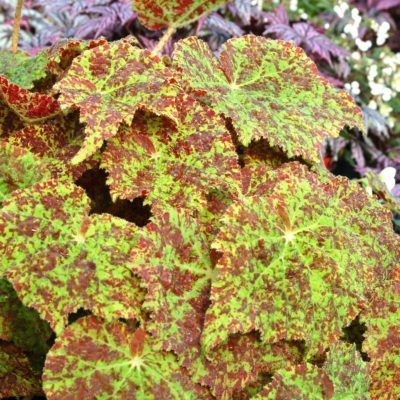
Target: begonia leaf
x=16, y=375
x=238, y=363
x=20, y=324
x=173, y=165
x=29, y=106
x=59, y=259
x=93, y=359
x=382, y=338
x=299, y=260
x=269, y=89
x=156, y=14
x=173, y=261
x=19, y=168
x=22, y=69
x=56, y=143
x=344, y=376
x=108, y=84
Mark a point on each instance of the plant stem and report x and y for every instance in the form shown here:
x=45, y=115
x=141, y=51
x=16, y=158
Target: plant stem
x=164, y=40
x=16, y=27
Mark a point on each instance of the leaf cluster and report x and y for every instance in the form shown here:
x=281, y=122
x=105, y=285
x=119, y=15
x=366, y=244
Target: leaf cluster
x=253, y=261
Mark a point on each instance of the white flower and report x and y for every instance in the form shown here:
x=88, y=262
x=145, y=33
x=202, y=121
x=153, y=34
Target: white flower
x=304, y=16
x=327, y=25
x=387, y=175
x=353, y=88
x=372, y=104
x=382, y=33
x=376, y=88
x=293, y=5
x=363, y=46
x=356, y=55
x=373, y=72
x=341, y=9
x=387, y=94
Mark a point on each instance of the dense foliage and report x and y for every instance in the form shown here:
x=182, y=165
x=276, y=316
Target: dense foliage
x=169, y=230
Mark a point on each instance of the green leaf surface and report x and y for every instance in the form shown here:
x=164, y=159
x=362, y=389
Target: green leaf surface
x=299, y=261
x=59, y=259
x=16, y=375
x=382, y=338
x=269, y=89
x=107, y=361
x=156, y=14
x=19, y=168
x=108, y=84
x=343, y=377
x=173, y=165
x=173, y=261
x=22, y=69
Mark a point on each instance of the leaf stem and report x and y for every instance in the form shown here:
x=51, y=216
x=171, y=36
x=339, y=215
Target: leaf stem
x=16, y=27
x=164, y=40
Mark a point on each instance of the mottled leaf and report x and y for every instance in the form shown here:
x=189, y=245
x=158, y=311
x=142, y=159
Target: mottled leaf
x=22, y=69
x=108, y=84
x=344, y=376
x=16, y=375
x=63, y=52
x=19, y=168
x=173, y=261
x=238, y=363
x=156, y=14
x=382, y=342
x=29, y=106
x=59, y=259
x=20, y=324
x=298, y=260
x=173, y=165
x=270, y=89
x=56, y=143
x=93, y=359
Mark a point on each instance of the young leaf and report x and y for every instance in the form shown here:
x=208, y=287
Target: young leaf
x=108, y=84
x=19, y=169
x=297, y=260
x=22, y=69
x=156, y=14
x=343, y=376
x=382, y=342
x=239, y=362
x=270, y=89
x=93, y=359
x=59, y=259
x=174, y=165
x=173, y=261
x=29, y=106
x=16, y=375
